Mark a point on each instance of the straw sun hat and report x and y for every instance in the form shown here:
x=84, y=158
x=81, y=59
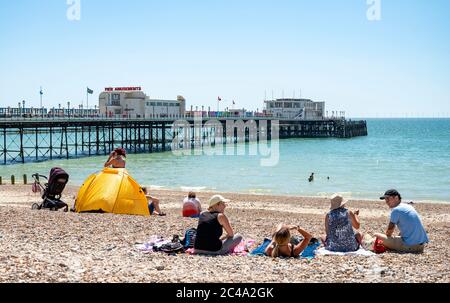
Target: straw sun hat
x=217, y=199
x=337, y=201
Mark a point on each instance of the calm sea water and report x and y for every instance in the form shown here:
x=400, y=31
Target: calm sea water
x=412, y=155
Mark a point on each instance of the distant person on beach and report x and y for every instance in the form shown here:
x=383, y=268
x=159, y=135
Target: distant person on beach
x=413, y=236
x=116, y=158
x=339, y=224
x=191, y=206
x=283, y=245
x=209, y=239
x=311, y=178
x=153, y=203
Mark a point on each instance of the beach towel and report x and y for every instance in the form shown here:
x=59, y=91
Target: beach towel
x=242, y=249
x=308, y=253
x=190, y=251
x=154, y=244
x=260, y=250
x=360, y=252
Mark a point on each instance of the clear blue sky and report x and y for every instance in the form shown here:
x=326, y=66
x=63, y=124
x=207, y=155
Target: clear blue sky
x=236, y=49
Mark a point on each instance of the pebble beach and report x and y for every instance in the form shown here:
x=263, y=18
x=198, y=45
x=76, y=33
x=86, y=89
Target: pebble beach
x=45, y=246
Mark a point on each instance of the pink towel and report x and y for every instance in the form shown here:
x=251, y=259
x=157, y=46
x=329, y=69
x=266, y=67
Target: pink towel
x=241, y=249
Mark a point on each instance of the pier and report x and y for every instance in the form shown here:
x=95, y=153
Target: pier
x=32, y=140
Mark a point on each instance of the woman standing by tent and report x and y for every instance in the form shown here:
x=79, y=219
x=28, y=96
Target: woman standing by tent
x=209, y=239
x=116, y=158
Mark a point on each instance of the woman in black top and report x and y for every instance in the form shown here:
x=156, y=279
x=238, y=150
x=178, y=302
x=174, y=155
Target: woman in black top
x=209, y=239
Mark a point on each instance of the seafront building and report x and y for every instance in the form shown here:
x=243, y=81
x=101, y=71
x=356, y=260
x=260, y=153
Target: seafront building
x=295, y=109
x=134, y=103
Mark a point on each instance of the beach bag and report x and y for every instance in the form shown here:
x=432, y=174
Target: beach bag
x=35, y=188
x=172, y=247
x=296, y=239
x=189, y=238
x=378, y=246
x=368, y=242
x=373, y=244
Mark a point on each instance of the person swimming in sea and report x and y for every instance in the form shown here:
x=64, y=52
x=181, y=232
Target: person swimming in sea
x=311, y=178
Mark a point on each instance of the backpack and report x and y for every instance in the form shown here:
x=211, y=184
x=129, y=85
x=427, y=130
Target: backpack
x=189, y=238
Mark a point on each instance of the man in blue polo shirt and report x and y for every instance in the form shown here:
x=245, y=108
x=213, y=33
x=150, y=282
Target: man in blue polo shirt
x=413, y=236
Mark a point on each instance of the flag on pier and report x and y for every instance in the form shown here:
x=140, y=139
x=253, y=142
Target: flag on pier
x=219, y=99
x=233, y=102
x=90, y=91
x=41, y=92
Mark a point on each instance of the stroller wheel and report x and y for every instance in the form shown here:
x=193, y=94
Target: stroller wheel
x=66, y=209
x=35, y=206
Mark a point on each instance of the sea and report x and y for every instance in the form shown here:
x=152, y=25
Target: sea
x=410, y=155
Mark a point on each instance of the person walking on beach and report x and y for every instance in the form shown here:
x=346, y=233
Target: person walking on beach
x=191, y=206
x=413, y=236
x=116, y=158
x=153, y=203
x=339, y=224
x=209, y=239
x=283, y=245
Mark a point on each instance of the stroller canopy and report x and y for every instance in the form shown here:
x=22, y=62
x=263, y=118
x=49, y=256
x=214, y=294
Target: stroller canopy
x=112, y=190
x=58, y=174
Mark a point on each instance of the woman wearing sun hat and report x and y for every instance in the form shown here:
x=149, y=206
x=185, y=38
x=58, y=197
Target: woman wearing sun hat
x=209, y=239
x=339, y=224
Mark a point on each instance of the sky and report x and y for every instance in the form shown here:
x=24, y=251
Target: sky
x=397, y=65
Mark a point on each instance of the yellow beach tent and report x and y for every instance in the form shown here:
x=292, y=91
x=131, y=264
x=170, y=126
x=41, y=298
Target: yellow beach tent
x=112, y=190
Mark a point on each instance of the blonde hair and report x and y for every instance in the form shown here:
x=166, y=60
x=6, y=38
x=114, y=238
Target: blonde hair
x=281, y=238
x=214, y=207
